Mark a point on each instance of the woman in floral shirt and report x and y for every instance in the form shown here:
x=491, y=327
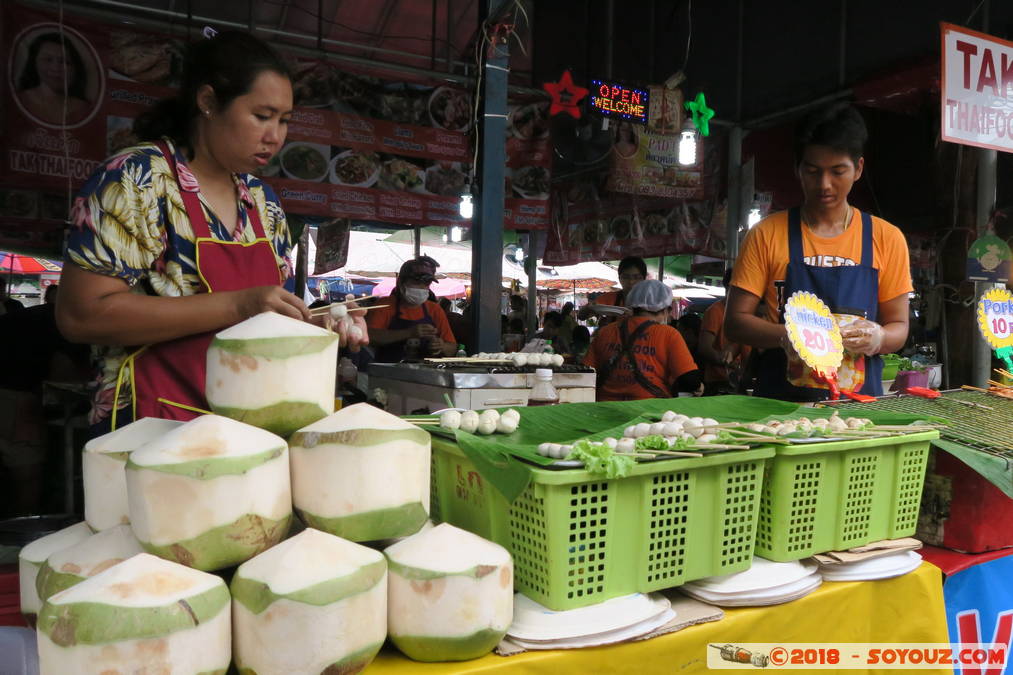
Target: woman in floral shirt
x=174, y=239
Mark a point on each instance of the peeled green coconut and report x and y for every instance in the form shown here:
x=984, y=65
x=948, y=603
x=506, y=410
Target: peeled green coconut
x=103, y=466
x=273, y=372
x=211, y=493
x=84, y=559
x=314, y=603
x=361, y=474
x=450, y=594
x=144, y=615
x=34, y=555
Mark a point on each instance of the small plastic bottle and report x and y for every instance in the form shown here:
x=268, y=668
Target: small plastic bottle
x=548, y=348
x=347, y=372
x=543, y=393
x=461, y=351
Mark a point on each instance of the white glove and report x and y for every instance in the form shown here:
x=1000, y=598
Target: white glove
x=863, y=337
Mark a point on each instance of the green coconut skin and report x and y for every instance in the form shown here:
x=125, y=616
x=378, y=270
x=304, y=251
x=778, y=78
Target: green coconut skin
x=276, y=347
x=282, y=418
x=226, y=545
x=93, y=623
x=215, y=467
x=430, y=649
x=398, y=521
x=257, y=596
x=353, y=663
x=419, y=574
x=49, y=582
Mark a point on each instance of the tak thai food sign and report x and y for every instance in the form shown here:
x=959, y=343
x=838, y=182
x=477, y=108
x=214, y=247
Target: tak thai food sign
x=977, y=89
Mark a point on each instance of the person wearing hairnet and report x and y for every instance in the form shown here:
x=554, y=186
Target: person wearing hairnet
x=641, y=356
x=412, y=326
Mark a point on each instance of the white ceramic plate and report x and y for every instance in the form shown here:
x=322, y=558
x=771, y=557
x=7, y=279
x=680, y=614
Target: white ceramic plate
x=789, y=588
x=763, y=574
x=535, y=622
x=288, y=153
x=368, y=182
x=610, y=310
x=756, y=601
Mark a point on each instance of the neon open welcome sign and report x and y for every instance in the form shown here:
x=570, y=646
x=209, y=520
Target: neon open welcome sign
x=613, y=99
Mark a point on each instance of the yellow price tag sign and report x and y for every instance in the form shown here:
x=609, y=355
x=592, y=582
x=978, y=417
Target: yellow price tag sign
x=813, y=331
x=995, y=317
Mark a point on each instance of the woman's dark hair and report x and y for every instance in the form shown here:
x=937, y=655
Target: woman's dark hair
x=839, y=126
x=229, y=63
x=581, y=335
x=552, y=319
x=567, y=309
x=76, y=85
x=633, y=261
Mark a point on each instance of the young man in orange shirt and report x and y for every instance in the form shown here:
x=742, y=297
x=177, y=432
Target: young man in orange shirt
x=848, y=258
x=642, y=356
x=411, y=315
x=632, y=270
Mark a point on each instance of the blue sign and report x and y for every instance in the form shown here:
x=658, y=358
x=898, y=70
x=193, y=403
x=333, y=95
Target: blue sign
x=979, y=608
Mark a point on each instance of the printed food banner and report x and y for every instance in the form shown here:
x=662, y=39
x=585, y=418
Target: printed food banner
x=358, y=147
x=586, y=228
x=647, y=163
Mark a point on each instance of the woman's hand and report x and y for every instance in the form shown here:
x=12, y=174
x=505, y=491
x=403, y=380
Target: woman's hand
x=356, y=319
x=252, y=301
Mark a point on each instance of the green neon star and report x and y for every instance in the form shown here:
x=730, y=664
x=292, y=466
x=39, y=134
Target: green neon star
x=701, y=114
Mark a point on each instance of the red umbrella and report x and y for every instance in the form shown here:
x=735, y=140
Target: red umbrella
x=13, y=263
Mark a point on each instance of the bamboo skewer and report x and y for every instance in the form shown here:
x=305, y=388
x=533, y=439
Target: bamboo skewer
x=321, y=311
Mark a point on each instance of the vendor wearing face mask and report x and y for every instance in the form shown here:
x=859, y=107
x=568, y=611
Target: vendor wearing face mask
x=412, y=326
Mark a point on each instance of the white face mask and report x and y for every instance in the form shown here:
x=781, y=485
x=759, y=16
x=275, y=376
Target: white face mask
x=415, y=296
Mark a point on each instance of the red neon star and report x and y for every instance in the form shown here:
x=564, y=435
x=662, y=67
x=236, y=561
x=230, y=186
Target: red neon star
x=565, y=96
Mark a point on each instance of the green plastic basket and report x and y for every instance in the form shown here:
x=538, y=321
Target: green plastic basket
x=578, y=539
x=837, y=495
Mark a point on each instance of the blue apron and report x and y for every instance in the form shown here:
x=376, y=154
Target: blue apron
x=854, y=286
x=395, y=352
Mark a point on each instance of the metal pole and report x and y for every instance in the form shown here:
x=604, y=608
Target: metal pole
x=843, y=44
x=417, y=240
x=302, y=261
x=661, y=268
x=734, y=198
x=531, y=267
x=487, y=233
x=981, y=357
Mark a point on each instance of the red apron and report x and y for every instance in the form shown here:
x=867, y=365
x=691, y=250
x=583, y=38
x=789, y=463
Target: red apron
x=167, y=379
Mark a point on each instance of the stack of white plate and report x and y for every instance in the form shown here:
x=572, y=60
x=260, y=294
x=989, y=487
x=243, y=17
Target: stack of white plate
x=883, y=567
x=765, y=583
x=615, y=620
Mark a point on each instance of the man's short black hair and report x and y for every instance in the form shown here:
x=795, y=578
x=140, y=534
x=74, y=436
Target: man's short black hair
x=552, y=319
x=839, y=126
x=633, y=261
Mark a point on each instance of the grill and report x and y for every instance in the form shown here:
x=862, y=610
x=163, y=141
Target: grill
x=979, y=428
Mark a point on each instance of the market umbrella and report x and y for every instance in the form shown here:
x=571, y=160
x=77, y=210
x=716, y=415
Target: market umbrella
x=442, y=288
x=13, y=263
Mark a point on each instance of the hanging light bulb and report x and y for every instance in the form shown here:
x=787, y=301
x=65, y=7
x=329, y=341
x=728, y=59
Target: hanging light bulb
x=456, y=233
x=467, y=208
x=754, y=217
x=687, y=146
x=519, y=255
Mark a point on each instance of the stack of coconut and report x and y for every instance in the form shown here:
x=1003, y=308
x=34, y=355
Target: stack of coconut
x=170, y=504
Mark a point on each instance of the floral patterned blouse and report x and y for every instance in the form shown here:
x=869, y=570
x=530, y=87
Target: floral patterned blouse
x=129, y=222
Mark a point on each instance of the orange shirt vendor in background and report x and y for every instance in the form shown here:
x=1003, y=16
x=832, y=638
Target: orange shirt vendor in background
x=632, y=270
x=719, y=356
x=641, y=356
x=410, y=314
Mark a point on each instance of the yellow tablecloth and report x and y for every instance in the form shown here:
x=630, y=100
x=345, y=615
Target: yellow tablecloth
x=905, y=609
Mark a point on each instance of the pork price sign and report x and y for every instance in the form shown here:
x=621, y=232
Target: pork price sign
x=813, y=331
x=977, y=89
x=995, y=317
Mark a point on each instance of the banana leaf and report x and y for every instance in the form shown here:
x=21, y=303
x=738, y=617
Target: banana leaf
x=500, y=459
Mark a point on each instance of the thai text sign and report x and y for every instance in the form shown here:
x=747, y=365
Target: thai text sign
x=977, y=89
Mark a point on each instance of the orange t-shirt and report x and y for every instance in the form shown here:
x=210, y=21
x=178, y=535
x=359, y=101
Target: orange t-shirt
x=763, y=261
x=382, y=318
x=661, y=354
x=713, y=322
